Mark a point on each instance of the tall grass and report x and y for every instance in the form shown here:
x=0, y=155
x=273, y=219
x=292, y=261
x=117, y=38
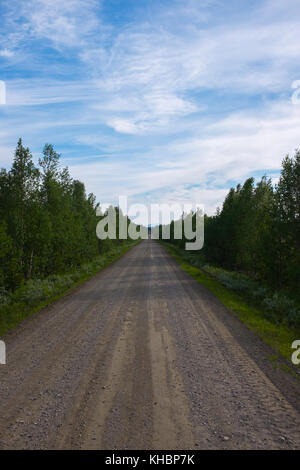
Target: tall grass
x=37, y=293
x=277, y=306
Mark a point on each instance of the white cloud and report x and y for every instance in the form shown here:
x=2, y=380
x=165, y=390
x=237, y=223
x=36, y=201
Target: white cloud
x=201, y=169
x=125, y=126
x=167, y=85
x=6, y=154
x=6, y=53
x=67, y=23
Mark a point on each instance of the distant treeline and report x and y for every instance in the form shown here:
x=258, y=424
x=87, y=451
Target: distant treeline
x=257, y=231
x=47, y=222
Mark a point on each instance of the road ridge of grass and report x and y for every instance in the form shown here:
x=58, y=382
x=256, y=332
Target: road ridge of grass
x=15, y=312
x=279, y=337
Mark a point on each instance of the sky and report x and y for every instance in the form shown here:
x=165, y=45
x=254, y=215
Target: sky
x=161, y=101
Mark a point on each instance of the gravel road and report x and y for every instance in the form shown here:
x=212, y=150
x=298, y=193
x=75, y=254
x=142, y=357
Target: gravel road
x=143, y=357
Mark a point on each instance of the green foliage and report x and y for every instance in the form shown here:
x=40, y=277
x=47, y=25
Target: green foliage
x=259, y=319
x=257, y=234
x=276, y=306
x=4, y=297
x=34, y=294
x=47, y=223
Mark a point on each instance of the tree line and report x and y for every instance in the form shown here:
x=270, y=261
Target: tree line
x=257, y=230
x=47, y=222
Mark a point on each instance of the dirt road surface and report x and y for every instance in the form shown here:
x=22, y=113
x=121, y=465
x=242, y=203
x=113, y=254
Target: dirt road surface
x=143, y=357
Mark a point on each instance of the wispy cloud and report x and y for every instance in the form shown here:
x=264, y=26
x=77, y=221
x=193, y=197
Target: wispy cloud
x=180, y=98
x=70, y=23
x=6, y=53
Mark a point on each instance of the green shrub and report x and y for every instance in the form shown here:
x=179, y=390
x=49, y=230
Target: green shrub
x=278, y=306
x=31, y=292
x=284, y=307
x=4, y=297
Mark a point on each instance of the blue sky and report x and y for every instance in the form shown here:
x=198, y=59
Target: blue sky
x=162, y=101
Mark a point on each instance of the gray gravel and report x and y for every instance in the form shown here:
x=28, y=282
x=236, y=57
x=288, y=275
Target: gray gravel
x=143, y=357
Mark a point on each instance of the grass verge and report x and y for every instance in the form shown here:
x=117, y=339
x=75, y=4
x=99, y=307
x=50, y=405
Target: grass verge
x=279, y=337
x=36, y=294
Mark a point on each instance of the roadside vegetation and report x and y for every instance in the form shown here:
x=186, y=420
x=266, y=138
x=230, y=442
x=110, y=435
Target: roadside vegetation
x=35, y=294
x=252, y=244
x=48, y=241
x=243, y=302
x=251, y=254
